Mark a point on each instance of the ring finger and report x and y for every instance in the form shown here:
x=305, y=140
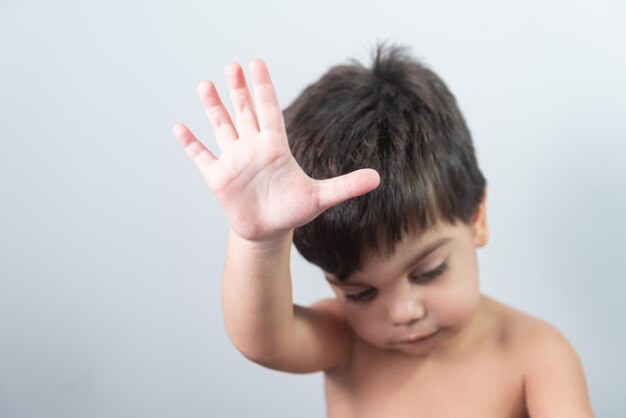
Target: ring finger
x=222, y=124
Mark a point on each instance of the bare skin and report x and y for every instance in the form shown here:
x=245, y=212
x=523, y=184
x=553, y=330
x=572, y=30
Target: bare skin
x=485, y=380
x=484, y=360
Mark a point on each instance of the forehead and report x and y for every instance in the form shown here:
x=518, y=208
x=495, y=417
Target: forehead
x=407, y=253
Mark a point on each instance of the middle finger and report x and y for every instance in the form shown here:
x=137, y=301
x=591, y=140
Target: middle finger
x=243, y=107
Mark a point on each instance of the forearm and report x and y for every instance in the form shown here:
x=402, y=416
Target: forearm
x=257, y=302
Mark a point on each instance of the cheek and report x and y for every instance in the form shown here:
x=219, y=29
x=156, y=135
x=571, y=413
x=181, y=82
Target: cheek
x=459, y=300
x=365, y=323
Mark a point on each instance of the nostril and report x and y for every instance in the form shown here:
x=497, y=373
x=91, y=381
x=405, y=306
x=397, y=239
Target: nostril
x=409, y=323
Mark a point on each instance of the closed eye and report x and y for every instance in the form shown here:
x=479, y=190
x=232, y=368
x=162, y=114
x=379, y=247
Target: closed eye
x=430, y=275
x=424, y=277
x=366, y=295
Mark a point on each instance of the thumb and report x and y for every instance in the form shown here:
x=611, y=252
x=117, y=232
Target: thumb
x=336, y=190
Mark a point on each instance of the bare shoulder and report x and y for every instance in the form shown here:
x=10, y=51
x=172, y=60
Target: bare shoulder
x=554, y=381
x=344, y=336
x=510, y=326
x=515, y=327
x=321, y=341
x=529, y=337
x=330, y=306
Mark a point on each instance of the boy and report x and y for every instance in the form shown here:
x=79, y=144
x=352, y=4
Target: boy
x=394, y=225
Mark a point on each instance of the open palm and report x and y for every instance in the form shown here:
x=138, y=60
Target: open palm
x=256, y=179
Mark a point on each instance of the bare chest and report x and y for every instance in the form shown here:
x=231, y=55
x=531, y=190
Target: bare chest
x=484, y=385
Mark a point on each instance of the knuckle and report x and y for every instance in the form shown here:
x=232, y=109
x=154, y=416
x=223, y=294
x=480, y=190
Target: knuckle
x=243, y=106
x=217, y=119
x=194, y=149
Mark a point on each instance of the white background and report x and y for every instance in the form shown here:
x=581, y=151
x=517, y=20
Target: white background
x=111, y=245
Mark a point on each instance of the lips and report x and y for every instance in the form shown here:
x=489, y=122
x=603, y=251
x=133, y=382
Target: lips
x=418, y=339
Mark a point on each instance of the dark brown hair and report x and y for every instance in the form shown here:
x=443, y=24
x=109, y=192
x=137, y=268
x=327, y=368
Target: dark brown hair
x=399, y=118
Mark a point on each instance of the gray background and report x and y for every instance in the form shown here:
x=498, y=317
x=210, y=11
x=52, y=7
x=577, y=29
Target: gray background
x=111, y=245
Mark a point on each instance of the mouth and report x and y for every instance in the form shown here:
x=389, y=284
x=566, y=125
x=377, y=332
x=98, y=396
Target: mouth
x=419, y=339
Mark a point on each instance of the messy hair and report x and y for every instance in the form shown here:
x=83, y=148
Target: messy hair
x=399, y=118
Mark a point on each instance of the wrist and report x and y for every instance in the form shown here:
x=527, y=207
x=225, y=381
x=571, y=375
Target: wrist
x=268, y=244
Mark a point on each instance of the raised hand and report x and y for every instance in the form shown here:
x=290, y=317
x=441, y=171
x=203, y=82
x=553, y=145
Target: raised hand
x=256, y=179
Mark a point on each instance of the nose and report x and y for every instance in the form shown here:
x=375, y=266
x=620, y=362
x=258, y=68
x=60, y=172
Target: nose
x=406, y=310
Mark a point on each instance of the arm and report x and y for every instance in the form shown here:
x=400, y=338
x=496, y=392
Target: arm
x=554, y=382
x=265, y=195
x=264, y=324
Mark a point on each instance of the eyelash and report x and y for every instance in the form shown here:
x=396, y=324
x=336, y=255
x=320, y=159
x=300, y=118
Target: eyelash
x=369, y=293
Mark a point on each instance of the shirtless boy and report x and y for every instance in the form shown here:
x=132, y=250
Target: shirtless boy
x=371, y=173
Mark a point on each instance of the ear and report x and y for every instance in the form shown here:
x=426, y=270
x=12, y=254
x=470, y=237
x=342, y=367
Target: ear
x=480, y=231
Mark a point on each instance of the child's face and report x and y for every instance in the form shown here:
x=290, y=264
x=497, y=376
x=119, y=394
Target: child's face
x=406, y=295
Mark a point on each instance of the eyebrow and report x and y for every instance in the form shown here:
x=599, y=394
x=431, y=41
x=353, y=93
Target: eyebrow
x=418, y=257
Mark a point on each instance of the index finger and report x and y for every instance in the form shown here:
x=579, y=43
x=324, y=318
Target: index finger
x=269, y=113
